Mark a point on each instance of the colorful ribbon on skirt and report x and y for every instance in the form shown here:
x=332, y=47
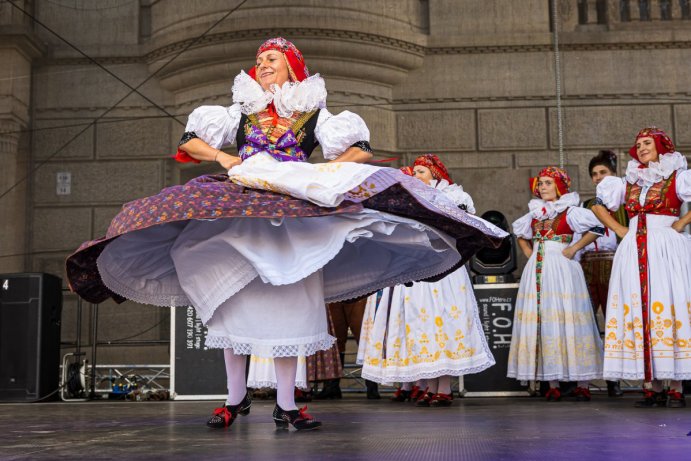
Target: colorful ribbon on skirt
x=541, y=239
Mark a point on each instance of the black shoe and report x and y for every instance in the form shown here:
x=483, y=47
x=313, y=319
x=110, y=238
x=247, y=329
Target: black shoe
x=330, y=391
x=613, y=389
x=302, y=396
x=299, y=419
x=675, y=399
x=224, y=416
x=372, y=390
x=652, y=400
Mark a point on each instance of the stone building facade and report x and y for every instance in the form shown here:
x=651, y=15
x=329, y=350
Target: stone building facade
x=471, y=80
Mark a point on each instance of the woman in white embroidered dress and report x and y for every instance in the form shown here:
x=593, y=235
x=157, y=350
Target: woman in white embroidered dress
x=555, y=335
x=257, y=253
x=648, y=324
x=427, y=331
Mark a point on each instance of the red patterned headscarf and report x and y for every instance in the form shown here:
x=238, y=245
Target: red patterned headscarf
x=436, y=167
x=296, y=63
x=560, y=176
x=663, y=143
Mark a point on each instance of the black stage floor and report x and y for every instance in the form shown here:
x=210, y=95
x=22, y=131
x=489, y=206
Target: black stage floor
x=354, y=429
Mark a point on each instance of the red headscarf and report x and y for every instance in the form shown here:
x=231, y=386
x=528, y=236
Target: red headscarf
x=560, y=176
x=436, y=167
x=296, y=63
x=663, y=143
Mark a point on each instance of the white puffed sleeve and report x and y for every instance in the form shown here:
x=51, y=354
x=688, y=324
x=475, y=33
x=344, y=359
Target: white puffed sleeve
x=683, y=185
x=611, y=191
x=460, y=197
x=336, y=133
x=582, y=220
x=215, y=125
x=522, y=227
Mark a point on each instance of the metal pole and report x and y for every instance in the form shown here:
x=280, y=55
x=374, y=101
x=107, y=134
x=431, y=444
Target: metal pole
x=557, y=78
x=94, y=342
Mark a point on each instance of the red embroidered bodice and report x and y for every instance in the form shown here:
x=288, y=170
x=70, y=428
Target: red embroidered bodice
x=552, y=227
x=661, y=199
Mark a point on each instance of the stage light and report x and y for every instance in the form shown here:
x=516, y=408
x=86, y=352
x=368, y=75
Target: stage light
x=496, y=265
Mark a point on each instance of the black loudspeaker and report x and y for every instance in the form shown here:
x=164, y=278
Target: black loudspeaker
x=30, y=309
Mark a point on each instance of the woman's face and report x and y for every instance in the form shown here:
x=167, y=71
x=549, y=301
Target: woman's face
x=547, y=187
x=272, y=68
x=646, y=150
x=423, y=174
x=600, y=172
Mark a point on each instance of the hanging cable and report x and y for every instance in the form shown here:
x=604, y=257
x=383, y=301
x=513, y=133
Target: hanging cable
x=93, y=61
x=557, y=78
x=110, y=109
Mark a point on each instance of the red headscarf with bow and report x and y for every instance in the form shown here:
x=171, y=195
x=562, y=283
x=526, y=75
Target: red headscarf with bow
x=296, y=63
x=560, y=176
x=436, y=167
x=663, y=143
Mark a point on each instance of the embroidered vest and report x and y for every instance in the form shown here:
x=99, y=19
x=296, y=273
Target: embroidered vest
x=552, y=227
x=661, y=198
x=286, y=139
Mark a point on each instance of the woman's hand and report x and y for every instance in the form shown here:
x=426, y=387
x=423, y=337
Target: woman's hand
x=682, y=222
x=569, y=252
x=227, y=161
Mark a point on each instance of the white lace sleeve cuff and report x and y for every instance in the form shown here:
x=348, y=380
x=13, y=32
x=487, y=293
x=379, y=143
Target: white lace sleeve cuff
x=336, y=133
x=215, y=125
x=522, y=227
x=611, y=192
x=582, y=220
x=684, y=185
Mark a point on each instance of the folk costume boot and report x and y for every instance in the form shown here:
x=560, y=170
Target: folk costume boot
x=372, y=390
x=613, y=389
x=330, y=391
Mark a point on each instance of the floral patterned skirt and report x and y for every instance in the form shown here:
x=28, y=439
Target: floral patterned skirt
x=241, y=250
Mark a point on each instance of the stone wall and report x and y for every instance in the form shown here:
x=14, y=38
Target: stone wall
x=471, y=80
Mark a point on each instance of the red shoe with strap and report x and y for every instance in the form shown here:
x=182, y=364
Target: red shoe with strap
x=675, y=399
x=425, y=399
x=582, y=394
x=553, y=394
x=416, y=392
x=441, y=400
x=400, y=395
x=652, y=400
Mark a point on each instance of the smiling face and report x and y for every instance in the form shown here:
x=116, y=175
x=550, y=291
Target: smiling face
x=600, y=172
x=547, y=187
x=646, y=150
x=423, y=174
x=272, y=68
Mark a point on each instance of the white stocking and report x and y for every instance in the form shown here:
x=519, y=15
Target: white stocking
x=286, y=368
x=444, y=386
x=235, y=375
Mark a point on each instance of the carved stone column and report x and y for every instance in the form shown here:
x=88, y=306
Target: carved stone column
x=18, y=48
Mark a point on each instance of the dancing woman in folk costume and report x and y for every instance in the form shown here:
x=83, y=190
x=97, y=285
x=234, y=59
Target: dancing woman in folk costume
x=555, y=335
x=596, y=258
x=648, y=323
x=258, y=251
x=428, y=331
